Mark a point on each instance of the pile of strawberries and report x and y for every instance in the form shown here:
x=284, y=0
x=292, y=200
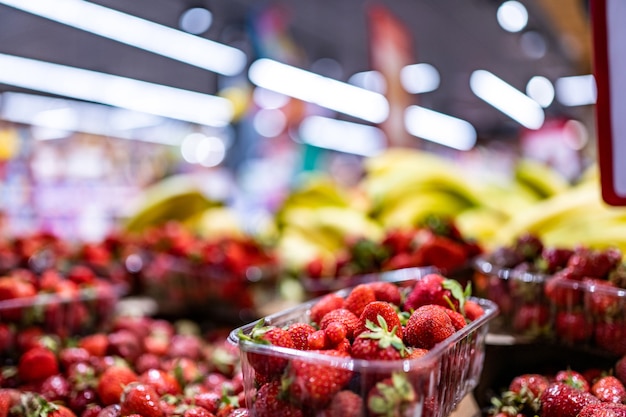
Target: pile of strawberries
x=352, y=355
x=567, y=294
x=437, y=242
x=141, y=367
x=71, y=304
x=566, y=393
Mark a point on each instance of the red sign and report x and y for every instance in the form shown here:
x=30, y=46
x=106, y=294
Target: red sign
x=609, y=40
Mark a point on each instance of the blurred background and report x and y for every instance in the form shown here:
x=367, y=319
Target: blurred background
x=100, y=100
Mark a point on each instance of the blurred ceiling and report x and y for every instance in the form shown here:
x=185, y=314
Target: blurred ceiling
x=457, y=37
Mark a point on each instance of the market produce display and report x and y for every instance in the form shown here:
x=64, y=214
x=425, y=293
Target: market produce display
x=565, y=393
x=569, y=295
x=411, y=347
x=140, y=366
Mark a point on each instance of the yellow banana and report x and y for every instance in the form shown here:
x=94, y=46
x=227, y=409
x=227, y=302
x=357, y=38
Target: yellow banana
x=541, y=178
x=414, y=208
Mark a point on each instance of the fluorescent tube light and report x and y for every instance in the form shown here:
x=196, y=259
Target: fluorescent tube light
x=115, y=91
x=419, y=78
x=506, y=98
x=578, y=90
x=323, y=91
x=339, y=135
x=440, y=128
x=137, y=32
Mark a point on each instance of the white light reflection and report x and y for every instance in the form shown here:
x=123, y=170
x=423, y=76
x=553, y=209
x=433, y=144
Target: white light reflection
x=269, y=122
x=369, y=80
x=440, y=128
x=115, y=91
x=137, y=32
x=419, y=78
x=507, y=99
x=323, y=91
x=348, y=137
x=541, y=90
x=512, y=16
x=578, y=90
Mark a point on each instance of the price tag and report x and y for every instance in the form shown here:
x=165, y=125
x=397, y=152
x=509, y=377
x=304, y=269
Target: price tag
x=609, y=41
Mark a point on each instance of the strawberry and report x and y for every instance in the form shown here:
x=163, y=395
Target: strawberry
x=473, y=310
x=71, y=355
x=442, y=253
x=299, y=333
x=324, y=305
x=55, y=388
x=427, y=326
x=125, y=344
x=96, y=344
x=209, y=400
x=572, y=326
x=572, y=378
x=378, y=342
x=536, y=384
x=13, y=288
x=8, y=399
x=35, y=405
x=386, y=291
x=609, y=389
x=335, y=332
x=141, y=399
x=391, y=396
x=358, y=298
x=602, y=299
x=611, y=336
x=399, y=240
x=603, y=409
x=345, y=403
x=318, y=340
x=383, y=309
x=196, y=411
x=530, y=318
x=163, y=382
x=457, y=319
x=112, y=382
x=562, y=400
x=112, y=410
x=37, y=364
x=269, y=403
x=313, y=382
x=7, y=337
x=268, y=364
x=436, y=289
x=563, y=290
x=343, y=316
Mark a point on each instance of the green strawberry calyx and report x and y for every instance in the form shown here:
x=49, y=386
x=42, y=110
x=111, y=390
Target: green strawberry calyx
x=385, y=337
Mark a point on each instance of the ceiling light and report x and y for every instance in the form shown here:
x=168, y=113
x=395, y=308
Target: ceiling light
x=512, y=16
x=369, y=80
x=267, y=99
x=115, y=91
x=533, y=44
x=342, y=136
x=507, y=99
x=577, y=90
x=440, y=128
x=323, y=91
x=419, y=78
x=196, y=20
x=541, y=90
x=269, y=122
x=137, y=32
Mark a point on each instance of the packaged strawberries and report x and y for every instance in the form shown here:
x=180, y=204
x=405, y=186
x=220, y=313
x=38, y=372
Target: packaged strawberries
x=408, y=347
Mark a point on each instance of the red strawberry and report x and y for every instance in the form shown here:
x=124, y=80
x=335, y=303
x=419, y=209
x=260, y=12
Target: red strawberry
x=163, y=382
x=530, y=318
x=299, y=333
x=317, y=340
x=562, y=400
x=112, y=410
x=386, y=291
x=572, y=378
x=141, y=399
x=435, y=289
x=563, y=290
x=267, y=364
x=572, y=326
x=609, y=389
x=443, y=253
x=473, y=310
x=112, y=382
x=378, y=342
x=12, y=288
x=457, y=319
x=335, y=332
x=197, y=411
x=603, y=409
x=34, y=405
x=346, y=403
x=125, y=344
x=8, y=399
x=210, y=400
x=391, y=397
x=96, y=344
x=269, y=403
x=55, y=388
x=400, y=261
x=383, y=309
x=71, y=355
x=427, y=326
x=611, y=336
x=37, y=364
x=358, y=298
x=313, y=382
x=399, y=240
x=535, y=383
x=602, y=298
x=343, y=316
x=325, y=305
x=7, y=337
